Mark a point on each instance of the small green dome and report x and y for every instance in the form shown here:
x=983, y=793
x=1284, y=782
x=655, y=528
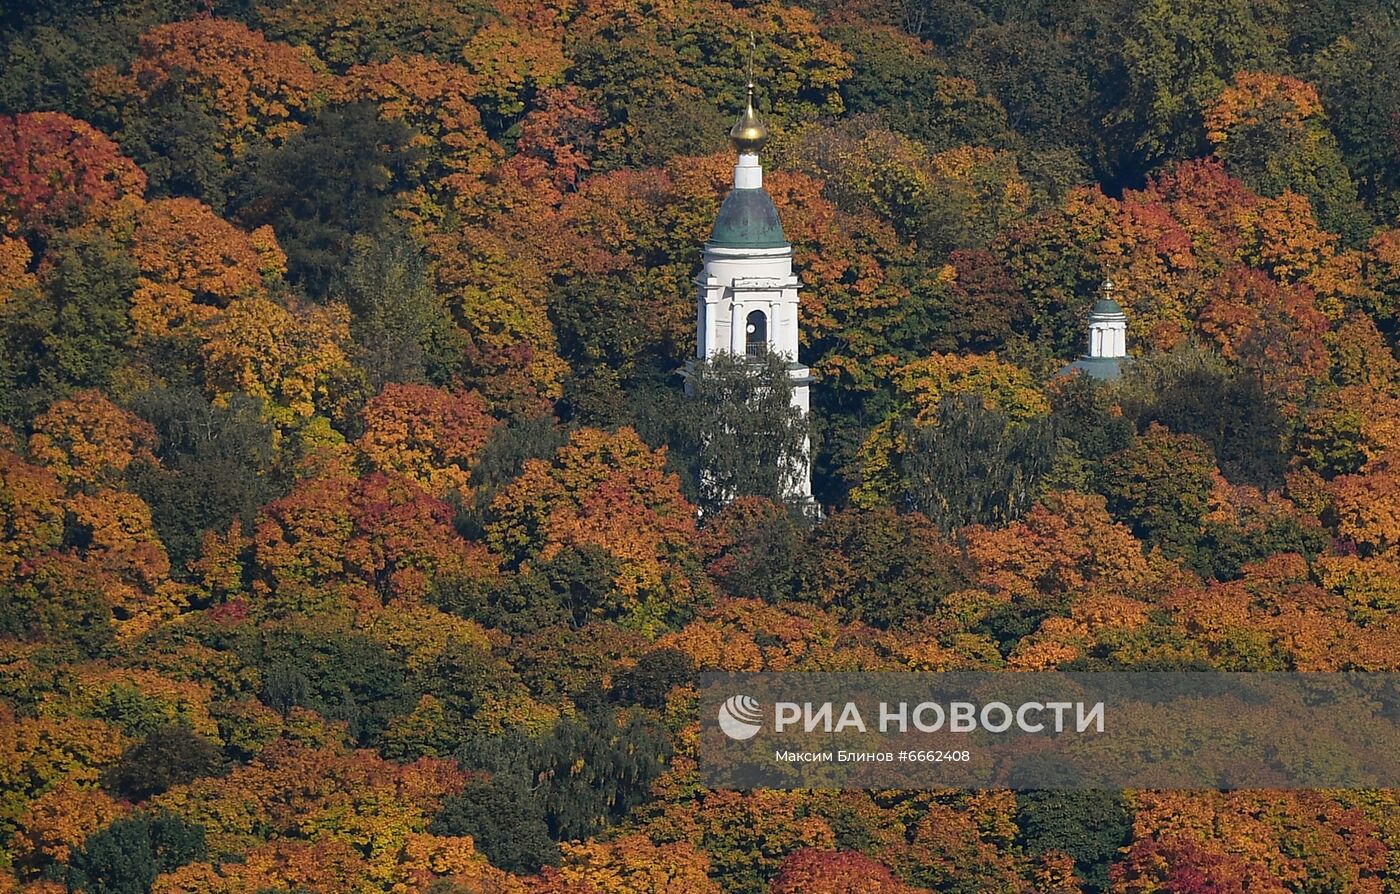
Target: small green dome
x=747, y=219
x=1107, y=306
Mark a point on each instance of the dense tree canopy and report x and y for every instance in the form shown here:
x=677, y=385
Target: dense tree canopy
x=364, y=529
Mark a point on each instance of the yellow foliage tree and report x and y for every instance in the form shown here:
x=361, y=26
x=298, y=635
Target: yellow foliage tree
x=15, y=277
x=31, y=512
x=38, y=754
x=287, y=358
x=632, y=864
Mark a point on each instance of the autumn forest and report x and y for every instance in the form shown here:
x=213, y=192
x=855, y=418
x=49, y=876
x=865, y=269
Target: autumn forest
x=353, y=535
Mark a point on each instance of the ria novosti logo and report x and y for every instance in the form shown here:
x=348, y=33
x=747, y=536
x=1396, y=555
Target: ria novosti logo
x=740, y=717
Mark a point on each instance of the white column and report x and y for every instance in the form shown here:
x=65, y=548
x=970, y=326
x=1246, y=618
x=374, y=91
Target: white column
x=702, y=317
x=736, y=329
x=711, y=325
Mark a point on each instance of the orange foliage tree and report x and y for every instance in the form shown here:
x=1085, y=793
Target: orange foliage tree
x=631, y=864
x=192, y=263
x=1274, y=331
x=336, y=538
x=257, y=89
x=426, y=434
x=38, y=754
x=1247, y=842
x=89, y=440
x=58, y=822
x=1062, y=546
x=1366, y=507
x=365, y=818
x=57, y=171
x=612, y=492
x=435, y=99
x=1166, y=245
x=31, y=512
x=836, y=872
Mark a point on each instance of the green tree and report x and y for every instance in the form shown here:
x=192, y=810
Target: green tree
x=168, y=756
x=644, y=65
x=61, y=603
x=506, y=821
x=1271, y=133
x=500, y=460
x=586, y=773
x=1090, y=826
x=175, y=139
x=465, y=677
x=739, y=433
x=1161, y=486
x=1358, y=76
x=73, y=333
x=1227, y=549
x=348, y=34
x=882, y=567
x=653, y=677
x=912, y=91
x=1085, y=413
x=755, y=549
x=1045, y=82
x=343, y=675
x=48, y=49
x=1195, y=393
x=974, y=466
x=327, y=183
x=217, y=465
x=126, y=857
x=402, y=329
x=1177, y=56
x=620, y=759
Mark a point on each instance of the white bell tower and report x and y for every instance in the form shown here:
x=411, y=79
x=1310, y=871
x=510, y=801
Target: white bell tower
x=747, y=293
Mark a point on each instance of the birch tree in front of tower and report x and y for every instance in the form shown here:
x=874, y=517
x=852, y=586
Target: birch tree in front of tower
x=744, y=437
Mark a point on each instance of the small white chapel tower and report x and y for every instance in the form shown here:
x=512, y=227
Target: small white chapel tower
x=747, y=303
x=1107, y=352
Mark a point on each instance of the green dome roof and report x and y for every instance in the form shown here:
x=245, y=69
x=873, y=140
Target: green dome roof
x=1107, y=306
x=747, y=219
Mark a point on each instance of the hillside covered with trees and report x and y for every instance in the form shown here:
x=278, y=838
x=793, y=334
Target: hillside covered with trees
x=348, y=492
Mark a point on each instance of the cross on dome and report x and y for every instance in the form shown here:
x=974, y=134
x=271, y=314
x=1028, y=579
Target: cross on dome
x=748, y=135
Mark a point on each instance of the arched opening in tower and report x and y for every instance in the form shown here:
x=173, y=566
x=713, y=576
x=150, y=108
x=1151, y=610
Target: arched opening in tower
x=756, y=334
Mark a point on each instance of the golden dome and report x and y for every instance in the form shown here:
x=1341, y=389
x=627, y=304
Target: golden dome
x=748, y=133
